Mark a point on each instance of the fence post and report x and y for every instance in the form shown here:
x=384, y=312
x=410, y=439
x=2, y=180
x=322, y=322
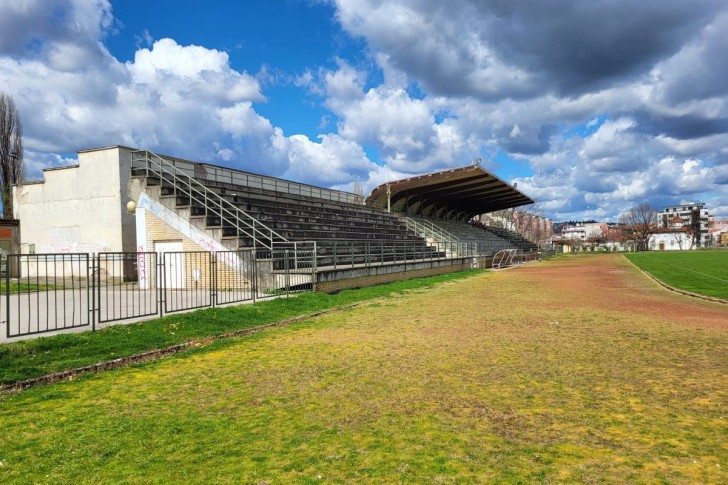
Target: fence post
x=7, y=294
x=213, y=275
x=161, y=282
x=286, y=272
x=295, y=255
x=254, y=266
x=313, y=267
x=95, y=286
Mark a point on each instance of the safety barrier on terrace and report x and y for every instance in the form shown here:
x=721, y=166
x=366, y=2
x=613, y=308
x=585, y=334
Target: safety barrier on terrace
x=57, y=292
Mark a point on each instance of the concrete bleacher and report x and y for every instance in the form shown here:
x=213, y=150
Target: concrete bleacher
x=485, y=239
x=516, y=240
x=345, y=233
x=484, y=242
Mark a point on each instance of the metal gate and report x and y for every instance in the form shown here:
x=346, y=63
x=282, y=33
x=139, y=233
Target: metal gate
x=59, y=292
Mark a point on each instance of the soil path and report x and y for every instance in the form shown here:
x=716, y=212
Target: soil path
x=612, y=282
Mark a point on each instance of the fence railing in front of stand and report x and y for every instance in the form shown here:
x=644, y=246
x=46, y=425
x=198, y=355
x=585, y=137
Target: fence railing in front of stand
x=57, y=292
x=351, y=254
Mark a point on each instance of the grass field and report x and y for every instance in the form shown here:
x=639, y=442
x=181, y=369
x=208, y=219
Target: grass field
x=27, y=359
x=577, y=370
x=702, y=272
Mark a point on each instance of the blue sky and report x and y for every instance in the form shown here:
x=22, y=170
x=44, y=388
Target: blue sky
x=283, y=37
x=590, y=113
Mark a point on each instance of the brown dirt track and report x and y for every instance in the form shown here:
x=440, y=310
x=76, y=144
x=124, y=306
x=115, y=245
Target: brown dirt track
x=611, y=282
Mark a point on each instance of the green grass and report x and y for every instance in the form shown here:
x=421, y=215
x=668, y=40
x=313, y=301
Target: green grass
x=33, y=358
x=26, y=287
x=523, y=376
x=702, y=272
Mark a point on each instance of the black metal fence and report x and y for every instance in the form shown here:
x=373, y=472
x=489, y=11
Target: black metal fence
x=57, y=292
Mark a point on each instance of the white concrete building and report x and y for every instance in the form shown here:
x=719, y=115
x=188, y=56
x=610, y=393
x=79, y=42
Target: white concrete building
x=84, y=209
x=580, y=232
x=80, y=208
x=671, y=240
x=683, y=215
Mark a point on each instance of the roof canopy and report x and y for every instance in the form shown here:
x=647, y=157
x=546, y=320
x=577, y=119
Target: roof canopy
x=457, y=193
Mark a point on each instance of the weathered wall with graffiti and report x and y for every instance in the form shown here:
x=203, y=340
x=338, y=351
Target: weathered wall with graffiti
x=158, y=224
x=78, y=209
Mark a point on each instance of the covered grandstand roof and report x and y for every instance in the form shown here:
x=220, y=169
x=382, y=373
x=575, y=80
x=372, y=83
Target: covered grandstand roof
x=464, y=191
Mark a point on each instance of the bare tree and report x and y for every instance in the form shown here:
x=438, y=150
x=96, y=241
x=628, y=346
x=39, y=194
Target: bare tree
x=639, y=224
x=693, y=228
x=615, y=238
x=12, y=166
x=529, y=223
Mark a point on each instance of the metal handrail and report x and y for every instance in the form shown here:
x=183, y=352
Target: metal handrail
x=236, y=177
x=428, y=229
x=244, y=223
x=224, y=175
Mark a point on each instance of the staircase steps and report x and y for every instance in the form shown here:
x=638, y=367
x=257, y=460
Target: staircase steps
x=345, y=233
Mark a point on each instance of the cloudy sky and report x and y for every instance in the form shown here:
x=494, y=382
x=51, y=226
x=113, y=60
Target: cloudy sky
x=591, y=106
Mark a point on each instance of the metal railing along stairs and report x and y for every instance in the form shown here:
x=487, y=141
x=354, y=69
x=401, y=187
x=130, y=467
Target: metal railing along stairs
x=234, y=221
x=435, y=234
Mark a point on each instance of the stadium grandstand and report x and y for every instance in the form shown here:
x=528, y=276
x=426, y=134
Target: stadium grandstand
x=126, y=234
x=405, y=228
x=443, y=206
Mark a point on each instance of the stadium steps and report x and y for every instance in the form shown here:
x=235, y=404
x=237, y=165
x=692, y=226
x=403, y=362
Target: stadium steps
x=345, y=233
x=483, y=241
x=518, y=241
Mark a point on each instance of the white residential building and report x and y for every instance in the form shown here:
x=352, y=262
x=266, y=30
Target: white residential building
x=678, y=216
x=670, y=240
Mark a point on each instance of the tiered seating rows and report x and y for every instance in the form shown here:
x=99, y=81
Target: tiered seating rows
x=519, y=241
x=486, y=242
x=345, y=233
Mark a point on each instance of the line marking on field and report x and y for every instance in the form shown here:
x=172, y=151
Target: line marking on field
x=676, y=290
x=694, y=271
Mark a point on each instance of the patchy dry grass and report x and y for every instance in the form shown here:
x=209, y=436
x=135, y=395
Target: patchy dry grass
x=28, y=359
x=574, y=370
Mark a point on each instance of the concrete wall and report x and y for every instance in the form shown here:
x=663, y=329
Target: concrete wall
x=80, y=208
x=379, y=279
x=157, y=224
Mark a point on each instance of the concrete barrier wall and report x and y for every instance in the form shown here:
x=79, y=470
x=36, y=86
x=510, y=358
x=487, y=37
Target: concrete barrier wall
x=362, y=277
